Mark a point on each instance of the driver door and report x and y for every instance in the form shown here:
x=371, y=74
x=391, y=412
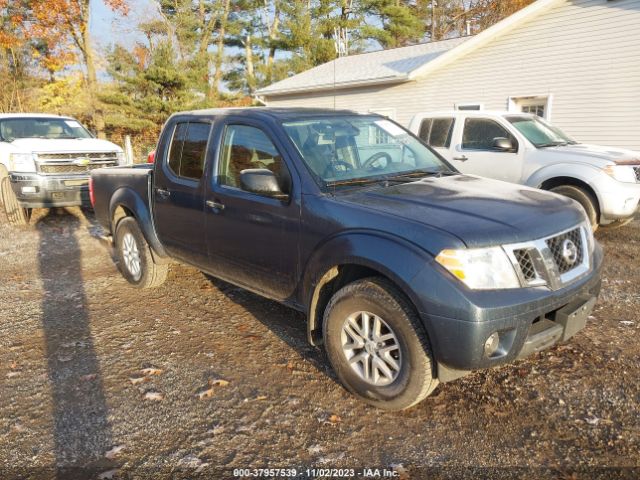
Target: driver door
x=253, y=239
x=476, y=154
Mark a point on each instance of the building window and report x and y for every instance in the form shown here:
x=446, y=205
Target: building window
x=469, y=106
x=535, y=104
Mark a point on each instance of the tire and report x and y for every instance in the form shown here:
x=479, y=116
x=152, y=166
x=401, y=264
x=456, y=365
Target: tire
x=584, y=198
x=135, y=259
x=413, y=377
x=16, y=215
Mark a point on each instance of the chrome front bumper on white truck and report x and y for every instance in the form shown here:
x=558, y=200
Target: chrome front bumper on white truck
x=618, y=200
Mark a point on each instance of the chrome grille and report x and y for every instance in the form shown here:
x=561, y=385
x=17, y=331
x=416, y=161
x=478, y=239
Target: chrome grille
x=541, y=262
x=637, y=172
x=525, y=262
x=74, y=162
x=556, y=245
x=72, y=156
x=52, y=169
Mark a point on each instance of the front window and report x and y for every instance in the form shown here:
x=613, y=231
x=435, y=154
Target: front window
x=52, y=128
x=352, y=149
x=539, y=132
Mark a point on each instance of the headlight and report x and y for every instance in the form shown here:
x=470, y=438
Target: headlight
x=480, y=268
x=120, y=158
x=21, y=162
x=622, y=173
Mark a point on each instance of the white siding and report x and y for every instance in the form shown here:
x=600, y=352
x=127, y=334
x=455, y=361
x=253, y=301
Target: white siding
x=586, y=53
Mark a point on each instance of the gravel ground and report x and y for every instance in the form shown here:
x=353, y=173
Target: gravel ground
x=197, y=378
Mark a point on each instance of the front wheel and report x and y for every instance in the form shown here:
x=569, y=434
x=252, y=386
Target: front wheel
x=16, y=215
x=584, y=198
x=135, y=258
x=377, y=345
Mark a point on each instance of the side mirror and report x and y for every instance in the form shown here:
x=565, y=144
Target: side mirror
x=502, y=144
x=262, y=182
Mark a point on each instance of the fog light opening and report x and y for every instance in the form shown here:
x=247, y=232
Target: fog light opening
x=29, y=189
x=491, y=344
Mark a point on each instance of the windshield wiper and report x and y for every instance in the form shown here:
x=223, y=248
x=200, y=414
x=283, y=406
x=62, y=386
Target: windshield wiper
x=552, y=144
x=398, y=178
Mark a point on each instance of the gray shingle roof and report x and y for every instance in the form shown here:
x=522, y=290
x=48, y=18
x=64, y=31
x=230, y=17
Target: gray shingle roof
x=384, y=66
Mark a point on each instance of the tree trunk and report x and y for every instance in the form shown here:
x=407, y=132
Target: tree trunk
x=97, y=115
x=248, y=52
x=214, y=92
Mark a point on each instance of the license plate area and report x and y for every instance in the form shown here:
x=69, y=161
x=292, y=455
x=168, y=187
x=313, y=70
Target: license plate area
x=573, y=317
x=76, y=183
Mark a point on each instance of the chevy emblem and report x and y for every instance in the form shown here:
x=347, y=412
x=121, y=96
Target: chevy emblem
x=569, y=252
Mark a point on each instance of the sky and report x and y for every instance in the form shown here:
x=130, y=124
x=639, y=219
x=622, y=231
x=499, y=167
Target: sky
x=109, y=27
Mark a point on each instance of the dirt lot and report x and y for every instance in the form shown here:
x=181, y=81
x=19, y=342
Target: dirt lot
x=75, y=340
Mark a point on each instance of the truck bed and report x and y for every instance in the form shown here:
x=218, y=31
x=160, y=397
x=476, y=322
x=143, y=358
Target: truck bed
x=108, y=183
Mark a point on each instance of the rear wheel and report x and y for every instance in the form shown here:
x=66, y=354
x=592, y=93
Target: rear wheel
x=377, y=345
x=16, y=215
x=135, y=258
x=584, y=198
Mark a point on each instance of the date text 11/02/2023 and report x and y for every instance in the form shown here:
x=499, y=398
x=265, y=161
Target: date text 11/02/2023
x=319, y=472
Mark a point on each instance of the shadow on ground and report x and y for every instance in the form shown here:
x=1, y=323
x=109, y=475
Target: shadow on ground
x=82, y=433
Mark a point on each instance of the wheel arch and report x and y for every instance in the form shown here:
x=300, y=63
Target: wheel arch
x=371, y=255
x=125, y=202
x=558, y=181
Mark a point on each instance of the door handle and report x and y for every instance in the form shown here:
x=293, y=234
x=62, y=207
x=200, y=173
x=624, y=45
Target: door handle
x=215, y=205
x=163, y=193
x=462, y=158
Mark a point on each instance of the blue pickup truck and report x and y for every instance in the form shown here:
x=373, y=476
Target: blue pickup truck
x=410, y=273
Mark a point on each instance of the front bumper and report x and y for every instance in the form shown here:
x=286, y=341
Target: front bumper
x=527, y=320
x=45, y=191
x=619, y=200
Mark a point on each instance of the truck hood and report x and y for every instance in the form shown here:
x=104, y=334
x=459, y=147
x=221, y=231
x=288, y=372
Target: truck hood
x=478, y=211
x=585, y=151
x=63, y=145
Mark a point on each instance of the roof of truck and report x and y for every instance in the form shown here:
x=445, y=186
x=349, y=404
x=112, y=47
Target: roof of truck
x=31, y=115
x=272, y=112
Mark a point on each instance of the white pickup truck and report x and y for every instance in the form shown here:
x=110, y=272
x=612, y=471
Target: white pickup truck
x=45, y=162
x=524, y=148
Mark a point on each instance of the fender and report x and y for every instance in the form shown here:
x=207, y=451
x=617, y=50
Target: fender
x=392, y=256
x=128, y=198
x=585, y=173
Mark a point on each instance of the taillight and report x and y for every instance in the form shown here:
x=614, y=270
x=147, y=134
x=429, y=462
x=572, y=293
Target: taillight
x=92, y=197
x=152, y=156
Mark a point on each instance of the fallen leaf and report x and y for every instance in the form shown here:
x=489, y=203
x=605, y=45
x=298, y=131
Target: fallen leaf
x=14, y=365
x=218, y=383
x=334, y=419
x=137, y=380
x=12, y=374
x=592, y=421
x=261, y=397
x=108, y=475
x=205, y=393
x=155, y=396
x=114, y=452
x=151, y=371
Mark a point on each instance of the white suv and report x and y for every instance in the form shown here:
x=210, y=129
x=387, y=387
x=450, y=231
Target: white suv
x=523, y=148
x=45, y=161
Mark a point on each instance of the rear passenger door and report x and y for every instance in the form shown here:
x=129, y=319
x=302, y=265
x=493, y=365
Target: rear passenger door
x=179, y=188
x=253, y=239
x=437, y=133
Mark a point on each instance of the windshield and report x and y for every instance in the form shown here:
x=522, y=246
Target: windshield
x=539, y=132
x=14, y=128
x=357, y=149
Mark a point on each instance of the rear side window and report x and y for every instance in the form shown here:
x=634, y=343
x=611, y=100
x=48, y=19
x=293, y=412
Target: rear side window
x=437, y=132
x=479, y=134
x=188, y=149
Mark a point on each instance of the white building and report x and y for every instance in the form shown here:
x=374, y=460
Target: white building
x=575, y=62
